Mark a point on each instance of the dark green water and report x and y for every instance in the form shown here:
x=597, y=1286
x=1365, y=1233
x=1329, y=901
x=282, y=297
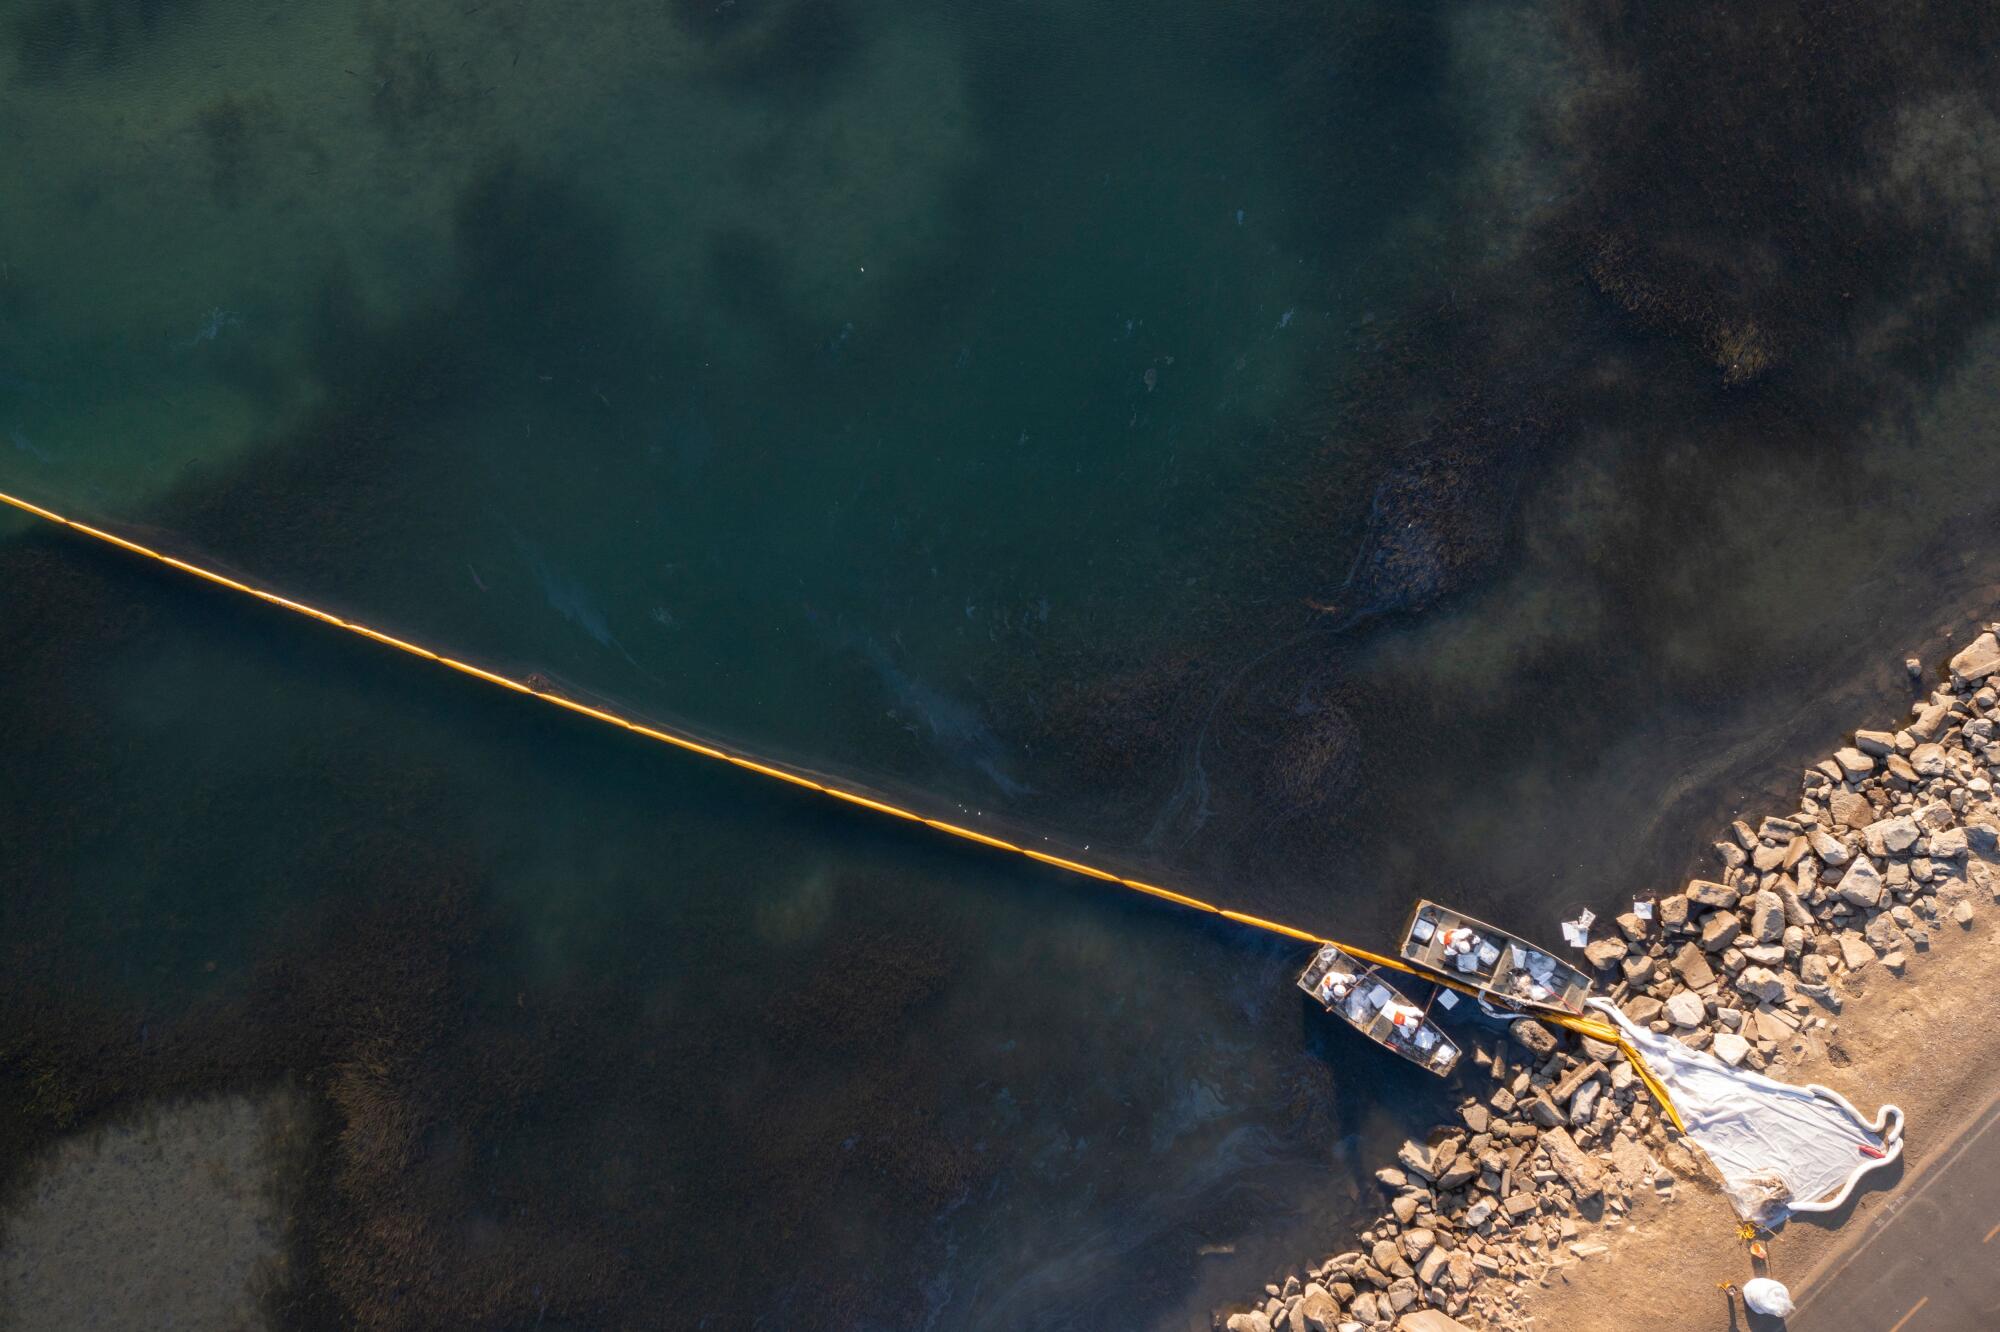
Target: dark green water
x=1305, y=453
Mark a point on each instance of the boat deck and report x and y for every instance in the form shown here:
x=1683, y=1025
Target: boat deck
x=1508, y=968
x=1357, y=994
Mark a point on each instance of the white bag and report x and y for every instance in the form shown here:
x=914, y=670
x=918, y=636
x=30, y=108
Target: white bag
x=1766, y=1296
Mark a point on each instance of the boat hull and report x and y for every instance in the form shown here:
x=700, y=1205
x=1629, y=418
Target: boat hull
x=1506, y=968
x=1356, y=993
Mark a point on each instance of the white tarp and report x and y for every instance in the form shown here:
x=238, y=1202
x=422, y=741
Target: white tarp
x=1780, y=1148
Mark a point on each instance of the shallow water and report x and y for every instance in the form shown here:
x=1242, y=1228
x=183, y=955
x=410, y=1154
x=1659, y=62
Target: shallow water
x=971, y=402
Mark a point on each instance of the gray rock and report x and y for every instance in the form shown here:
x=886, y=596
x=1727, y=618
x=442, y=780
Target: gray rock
x=1962, y=913
x=1429, y=1320
x=1853, y=762
x=1481, y=1209
x=1402, y=1294
x=1643, y=1008
x=1578, y=1167
x=1977, y=659
x=1414, y=1157
x=1877, y=743
x=1257, y=1321
x=1767, y=917
x=1691, y=965
x=1605, y=953
x=1391, y=1178
x=1892, y=836
x=1949, y=844
x=1761, y=983
x=1537, y=1039
x=1850, y=808
x=1813, y=969
x=1686, y=1009
x=1930, y=720
x=1719, y=930
x=1828, y=848
x=1862, y=884
x=1884, y=935
x=1567, y=1085
x=1702, y=892
x=1930, y=760
x=1317, y=1311
x=1673, y=911
x=1731, y=855
x=1854, y=952
x=1730, y=1048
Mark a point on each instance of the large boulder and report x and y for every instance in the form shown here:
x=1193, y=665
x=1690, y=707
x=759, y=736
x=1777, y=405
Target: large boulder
x=1761, y=983
x=1862, y=884
x=1720, y=930
x=1539, y=1040
x=1829, y=848
x=1854, y=951
x=1930, y=761
x=1317, y=1311
x=1977, y=659
x=1851, y=808
x=1606, y=952
x=1573, y=1163
x=1691, y=965
x=1704, y=893
x=1892, y=836
x=1884, y=935
x=1686, y=1009
x=1429, y=1320
x=1767, y=917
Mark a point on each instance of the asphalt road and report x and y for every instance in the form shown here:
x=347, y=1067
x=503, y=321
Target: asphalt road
x=1929, y=1261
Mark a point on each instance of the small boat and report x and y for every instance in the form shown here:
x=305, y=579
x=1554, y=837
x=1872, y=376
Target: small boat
x=1356, y=992
x=1511, y=970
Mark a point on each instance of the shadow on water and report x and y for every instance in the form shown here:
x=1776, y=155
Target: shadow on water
x=55, y=38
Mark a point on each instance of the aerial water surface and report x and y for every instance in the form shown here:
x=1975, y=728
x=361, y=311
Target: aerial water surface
x=1296, y=451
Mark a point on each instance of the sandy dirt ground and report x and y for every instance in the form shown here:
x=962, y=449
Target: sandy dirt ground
x=167, y=1220
x=1928, y=1041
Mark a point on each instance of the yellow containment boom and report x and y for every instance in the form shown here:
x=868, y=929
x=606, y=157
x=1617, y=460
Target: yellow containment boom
x=1584, y=1026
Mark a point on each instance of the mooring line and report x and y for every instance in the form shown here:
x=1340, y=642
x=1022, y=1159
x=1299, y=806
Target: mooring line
x=1601, y=1031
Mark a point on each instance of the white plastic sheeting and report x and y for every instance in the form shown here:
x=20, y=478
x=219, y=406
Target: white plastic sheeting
x=1780, y=1149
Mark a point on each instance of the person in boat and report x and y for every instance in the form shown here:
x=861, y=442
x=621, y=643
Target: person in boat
x=1333, y=987
x=1406, y=1018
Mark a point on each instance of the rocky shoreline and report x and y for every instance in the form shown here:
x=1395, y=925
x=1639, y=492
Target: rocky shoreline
x=1894, y=839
